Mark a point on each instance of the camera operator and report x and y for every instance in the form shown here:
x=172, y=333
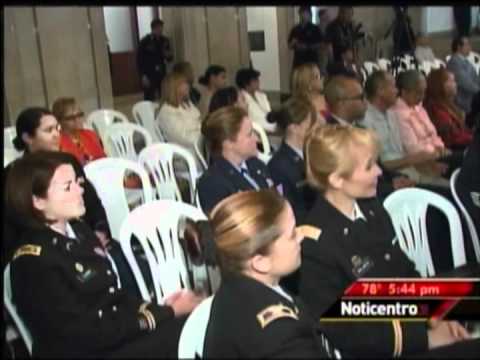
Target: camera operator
x=342, y=33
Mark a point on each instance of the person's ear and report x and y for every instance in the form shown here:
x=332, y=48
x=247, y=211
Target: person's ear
x=261, y=264
x=335, y=180
x=27, y=139
x=39, y=203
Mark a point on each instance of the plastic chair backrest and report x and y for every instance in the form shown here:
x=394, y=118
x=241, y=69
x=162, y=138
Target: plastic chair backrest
x=265, y=155
x=408, y=210
x=12, y=310
x=107, y=176
x=426, y=67
x=370, y=67
x=466, y=215
x=200, y=151
x=158, y=160
x=384, y=64
x=9, y=133
x=144, y=115
x=121, y=141
x=155, y=225
x=437, y=64
x=98, y=120
x=9, y=155
x=192, y=337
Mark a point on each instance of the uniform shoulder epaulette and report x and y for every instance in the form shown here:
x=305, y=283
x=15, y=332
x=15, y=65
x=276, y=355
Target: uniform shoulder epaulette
x=274, y=312
x=29, y=249
x=310, y=231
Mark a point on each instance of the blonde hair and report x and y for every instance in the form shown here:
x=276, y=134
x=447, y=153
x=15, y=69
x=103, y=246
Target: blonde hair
x=329, y=148
x=245, y=224
x=170, y=86
x=222, y=124
x=302, y=79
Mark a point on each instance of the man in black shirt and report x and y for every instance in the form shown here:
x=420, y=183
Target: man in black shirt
x=153, y=53
x=305, y=39
x=340, y=32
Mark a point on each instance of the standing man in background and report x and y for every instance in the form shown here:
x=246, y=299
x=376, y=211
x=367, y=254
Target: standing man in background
x=305, y=39
x=153, y=53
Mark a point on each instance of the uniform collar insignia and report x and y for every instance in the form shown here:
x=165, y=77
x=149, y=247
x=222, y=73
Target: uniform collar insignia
x=309, y=231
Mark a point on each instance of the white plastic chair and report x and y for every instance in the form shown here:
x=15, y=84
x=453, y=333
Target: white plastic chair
x=9, y=155
x=144, y=115
x=384, y=64
x=107, y=176
x=155, y=225
x=370, y=67
x=466, y=215
x=265, y=155
x=9, y=133
x=408, y=208
x=192, y=337
x=158, y=159
x=426, y=67
x=98, y=120
x=12, y=310
x=120, y=140
x=437, y=64
x=201, y=152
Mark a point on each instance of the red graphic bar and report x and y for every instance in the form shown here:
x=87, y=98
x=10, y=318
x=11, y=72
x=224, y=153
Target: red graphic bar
x=414, y=288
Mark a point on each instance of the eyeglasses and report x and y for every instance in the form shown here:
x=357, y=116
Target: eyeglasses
x=74, y=116
x=358, y=97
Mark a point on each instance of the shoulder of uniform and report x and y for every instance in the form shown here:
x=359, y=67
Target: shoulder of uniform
x=310, y=231
x=28, y=249
x=275, y=312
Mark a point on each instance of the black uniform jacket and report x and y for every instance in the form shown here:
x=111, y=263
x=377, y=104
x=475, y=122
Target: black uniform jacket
x=66, y=292
x=95, y=215
x=250, y=320
x=344, y=251
x=308, y=34
x=151, y=56
x=288, y=169
x=222, y=179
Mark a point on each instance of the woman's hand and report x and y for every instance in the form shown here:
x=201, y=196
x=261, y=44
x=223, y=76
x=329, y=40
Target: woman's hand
x=184, y=301
x=102, y=237
x=444, y=333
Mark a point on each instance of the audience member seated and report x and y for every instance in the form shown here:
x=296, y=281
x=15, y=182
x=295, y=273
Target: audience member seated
x=423, y=51
x=258, y=105
x=78, y=310
x=468, y=182
x=346, y=66
x=345, y=99
x=468, y=81
x=256, y=244
x=447, y=117
x=228, y=96
x=215, y=78
x=37, y=129
x=82, y=143
x=382, y=95
x=178, y=118
x=186, y=68
x=351, y=236
x=295, y=119
x=235, y=166
x=308, y=83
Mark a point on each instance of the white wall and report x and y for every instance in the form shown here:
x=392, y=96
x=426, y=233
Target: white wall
x=144, y=18
x=267, y=62
x=118, y=28
x=440, y=18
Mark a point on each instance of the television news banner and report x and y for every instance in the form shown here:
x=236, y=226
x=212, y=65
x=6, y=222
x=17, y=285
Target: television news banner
x=410, y=300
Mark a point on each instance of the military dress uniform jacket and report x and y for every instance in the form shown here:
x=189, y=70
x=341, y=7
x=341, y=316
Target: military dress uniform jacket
x=340, y=252
x=222, y=179
x=95, y=215
x=66, y=292
x=252, y=321
x=288, y=169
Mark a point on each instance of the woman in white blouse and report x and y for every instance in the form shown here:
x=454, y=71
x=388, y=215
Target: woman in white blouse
x=178, y=118
x=258, y=105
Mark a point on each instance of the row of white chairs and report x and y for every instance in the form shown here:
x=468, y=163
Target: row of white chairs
x=154, y=224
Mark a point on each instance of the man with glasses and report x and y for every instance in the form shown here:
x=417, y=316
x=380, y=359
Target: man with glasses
x=346, y=100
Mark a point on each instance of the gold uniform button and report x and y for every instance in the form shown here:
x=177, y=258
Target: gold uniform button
x=387, y=257
x=100, y=313
x=114, y=308
x=109, y=272
x=111, y=290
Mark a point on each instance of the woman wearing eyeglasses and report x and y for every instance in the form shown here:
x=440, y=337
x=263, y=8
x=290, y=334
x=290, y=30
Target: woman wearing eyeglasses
x=82, y=143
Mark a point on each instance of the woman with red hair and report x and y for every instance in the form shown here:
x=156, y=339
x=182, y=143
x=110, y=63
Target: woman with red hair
x=445, y=115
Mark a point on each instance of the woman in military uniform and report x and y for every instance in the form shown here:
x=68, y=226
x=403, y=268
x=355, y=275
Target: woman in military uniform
x=235, y=166
x=295, y=118
x=256, y=243
x=63, y=285
x=351, y=236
